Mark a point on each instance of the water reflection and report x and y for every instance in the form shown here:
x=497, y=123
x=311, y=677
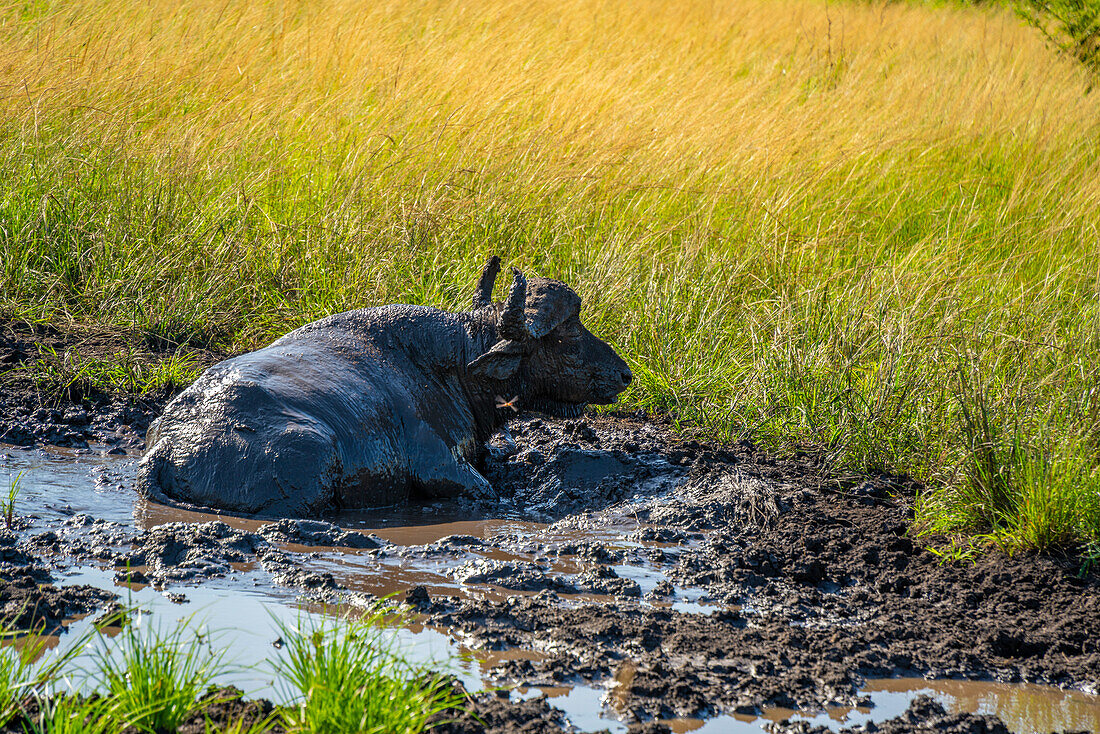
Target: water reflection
x=1024, y=708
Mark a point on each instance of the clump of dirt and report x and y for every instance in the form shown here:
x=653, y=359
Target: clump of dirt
x=317, y=532
x=549, y=470
x=230, y=709
x=495, y=712
x=28, y=601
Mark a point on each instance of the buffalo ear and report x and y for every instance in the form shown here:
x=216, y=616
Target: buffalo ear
x=499, y=363
x=549, y=304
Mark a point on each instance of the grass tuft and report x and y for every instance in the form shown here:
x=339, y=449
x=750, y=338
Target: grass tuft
x=7, y=504
x=156, y=679
x=348, y=675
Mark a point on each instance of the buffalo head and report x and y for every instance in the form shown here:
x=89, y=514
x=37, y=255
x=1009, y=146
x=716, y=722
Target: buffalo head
x=543, y=353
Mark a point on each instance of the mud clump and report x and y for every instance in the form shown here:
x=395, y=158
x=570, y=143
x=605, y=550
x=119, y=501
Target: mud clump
x=494, y=712
x=185, y=551
x=316, y=532
x=28, y=604
x=28, y=599
x=231, y=711
x=511, y=575
x=553, y=470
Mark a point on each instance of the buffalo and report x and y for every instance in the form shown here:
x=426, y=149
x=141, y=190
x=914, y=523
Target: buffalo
x=371, y=407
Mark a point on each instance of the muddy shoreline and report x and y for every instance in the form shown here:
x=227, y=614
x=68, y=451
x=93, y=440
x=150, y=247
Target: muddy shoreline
x=771, y=583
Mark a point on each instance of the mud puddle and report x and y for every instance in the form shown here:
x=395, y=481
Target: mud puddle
x=74, y=494
x=1024, y=709
x=709, y=589
x=216, y=609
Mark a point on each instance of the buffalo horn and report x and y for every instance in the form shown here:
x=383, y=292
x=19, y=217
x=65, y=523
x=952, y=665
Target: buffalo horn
x=483, y=296
x=511, y=324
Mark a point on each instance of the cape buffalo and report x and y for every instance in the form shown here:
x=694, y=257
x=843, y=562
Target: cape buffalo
x=369, y=407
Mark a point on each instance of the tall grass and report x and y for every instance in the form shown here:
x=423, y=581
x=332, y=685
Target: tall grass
x=799, y=221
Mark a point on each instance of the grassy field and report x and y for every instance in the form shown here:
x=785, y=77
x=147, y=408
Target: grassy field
x=867, y=227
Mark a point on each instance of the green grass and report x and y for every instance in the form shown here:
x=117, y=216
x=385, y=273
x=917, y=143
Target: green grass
x=869, y=229
x=155, y=679
x=19, y=676
x=7, y=504
x=341, y=675
x=24, y=671
x=348, y=676
x=75, y=376
x=74, y=715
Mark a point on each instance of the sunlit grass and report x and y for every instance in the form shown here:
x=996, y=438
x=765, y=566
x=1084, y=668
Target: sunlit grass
x=74, y=715
x=155, y=678
x=76, y=376
x=19, y=675
x=24, y=669
x=798, y=221
x=349, y=675
x=339, y=675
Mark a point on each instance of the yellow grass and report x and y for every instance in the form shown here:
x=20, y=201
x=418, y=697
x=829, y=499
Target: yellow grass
x=687, y=93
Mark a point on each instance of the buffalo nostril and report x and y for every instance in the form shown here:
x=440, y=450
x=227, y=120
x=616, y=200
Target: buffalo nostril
x=626, y=377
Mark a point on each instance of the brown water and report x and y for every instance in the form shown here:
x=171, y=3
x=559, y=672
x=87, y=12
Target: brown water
x=245, y=609
x=1022, y=707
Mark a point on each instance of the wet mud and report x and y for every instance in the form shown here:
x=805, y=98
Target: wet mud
x=817, y=587
x=923, y=715
x=677, y=583
x=28, y=599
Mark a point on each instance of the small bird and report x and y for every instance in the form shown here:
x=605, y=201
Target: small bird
x=502, y=403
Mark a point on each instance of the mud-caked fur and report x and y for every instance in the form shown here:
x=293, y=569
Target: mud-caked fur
x=369, y=407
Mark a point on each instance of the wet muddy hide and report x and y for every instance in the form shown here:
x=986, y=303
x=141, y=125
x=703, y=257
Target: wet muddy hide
x=371, y=407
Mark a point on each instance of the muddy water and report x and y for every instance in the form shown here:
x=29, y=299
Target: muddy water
x=244, y=609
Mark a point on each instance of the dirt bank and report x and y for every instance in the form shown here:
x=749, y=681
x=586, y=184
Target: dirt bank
x=47, y=394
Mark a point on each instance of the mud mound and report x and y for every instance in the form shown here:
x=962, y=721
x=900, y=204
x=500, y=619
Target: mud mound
x=494, y=712
x=316, y=532
x=550, y=470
